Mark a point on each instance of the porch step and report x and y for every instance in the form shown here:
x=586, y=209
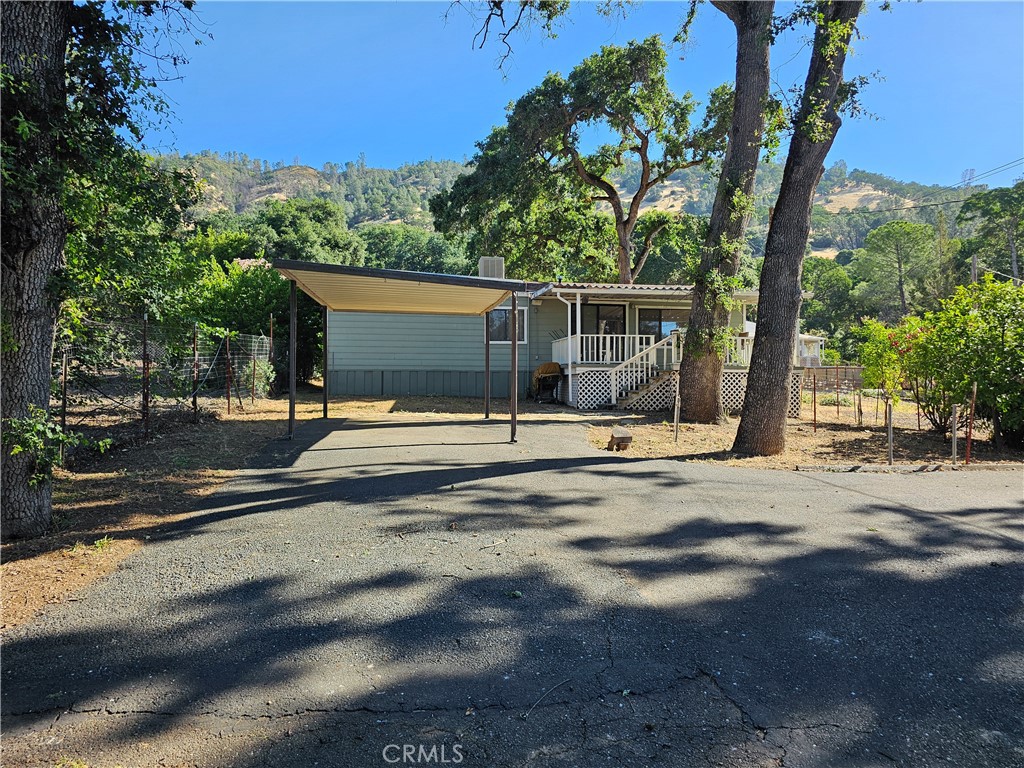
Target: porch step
x=634, y=394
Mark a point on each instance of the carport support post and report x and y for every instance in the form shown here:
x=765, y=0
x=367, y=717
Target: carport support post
x=513, y=395
x=487, y=365
x=293, y=328
x=326, y=375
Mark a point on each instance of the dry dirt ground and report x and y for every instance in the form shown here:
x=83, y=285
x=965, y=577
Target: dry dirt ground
x=837, y=440
x=106, y=507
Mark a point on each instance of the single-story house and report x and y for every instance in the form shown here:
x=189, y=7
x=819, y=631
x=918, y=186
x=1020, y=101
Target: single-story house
x=617, y=346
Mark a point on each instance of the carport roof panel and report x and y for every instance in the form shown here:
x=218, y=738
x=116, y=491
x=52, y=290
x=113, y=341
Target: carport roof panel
x=362, y=289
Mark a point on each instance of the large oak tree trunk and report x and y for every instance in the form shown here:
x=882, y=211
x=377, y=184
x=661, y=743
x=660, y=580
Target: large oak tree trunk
x=33, y=39
x=762, y=429
x=702, y=363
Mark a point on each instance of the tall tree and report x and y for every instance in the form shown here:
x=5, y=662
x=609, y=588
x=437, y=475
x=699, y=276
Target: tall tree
x=34, y=38
x=701, y=368
x=73, y=89
x=896, y=257
x=762, y=429
x=1000, y=217
x=622, y=90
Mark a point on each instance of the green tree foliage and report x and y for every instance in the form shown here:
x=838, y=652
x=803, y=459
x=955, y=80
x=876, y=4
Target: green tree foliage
x=126, y=254
x=538, y=156
x=307, y=230
x=977, y=336
x=892, y=267
x=400, y=246
x=999, y=217
x=881, y=354
x=830, y=307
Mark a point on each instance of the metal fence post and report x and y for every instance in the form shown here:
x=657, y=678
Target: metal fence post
x=145, y=373
x=195, y=372
x=954, y=426
x=970, y=423
x=888, y=418
x=814, y=396
x=227, y=370
x=63, y=400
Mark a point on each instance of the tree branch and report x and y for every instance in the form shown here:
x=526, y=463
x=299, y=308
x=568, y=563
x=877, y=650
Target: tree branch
x=646, y=250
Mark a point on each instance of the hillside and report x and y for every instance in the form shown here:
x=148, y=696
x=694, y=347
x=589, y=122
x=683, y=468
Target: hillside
x=847, y=207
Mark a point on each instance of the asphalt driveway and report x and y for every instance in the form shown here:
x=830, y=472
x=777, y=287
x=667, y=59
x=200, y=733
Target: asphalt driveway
x=414, y=591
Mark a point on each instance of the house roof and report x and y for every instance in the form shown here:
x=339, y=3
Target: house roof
x=635, y=291
x=364, y=289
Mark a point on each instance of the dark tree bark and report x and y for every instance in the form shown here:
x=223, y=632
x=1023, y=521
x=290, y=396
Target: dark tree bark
x=702, y=364
x=762, y=429
x=33, y=40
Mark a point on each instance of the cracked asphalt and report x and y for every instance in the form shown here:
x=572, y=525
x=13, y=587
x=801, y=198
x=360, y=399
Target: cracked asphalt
x=420, y=583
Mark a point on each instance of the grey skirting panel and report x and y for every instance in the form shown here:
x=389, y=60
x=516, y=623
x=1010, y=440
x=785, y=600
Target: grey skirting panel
x=448, y=383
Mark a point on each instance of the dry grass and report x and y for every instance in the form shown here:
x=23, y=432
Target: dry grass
x=856, y=196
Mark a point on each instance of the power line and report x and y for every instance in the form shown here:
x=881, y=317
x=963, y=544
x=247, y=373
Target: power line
x=1001, y=274
x=968, y=182
x=905, y=208
x=991, y=172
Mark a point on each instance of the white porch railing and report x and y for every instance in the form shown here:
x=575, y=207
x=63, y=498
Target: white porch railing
x=561, y=350
x=641, y=367
x=737, y=351
x=616, y=349
x=598, y=348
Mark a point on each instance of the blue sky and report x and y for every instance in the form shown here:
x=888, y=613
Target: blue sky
x=326, y=81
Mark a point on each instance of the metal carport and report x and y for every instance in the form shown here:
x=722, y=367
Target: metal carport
x=340, y=288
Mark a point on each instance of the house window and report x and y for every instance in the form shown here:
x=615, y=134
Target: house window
x=602, y=319
x=659, y=323
x=498, y=326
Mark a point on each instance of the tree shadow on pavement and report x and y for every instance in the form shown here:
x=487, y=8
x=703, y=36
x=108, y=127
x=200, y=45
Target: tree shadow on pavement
x=700, y=640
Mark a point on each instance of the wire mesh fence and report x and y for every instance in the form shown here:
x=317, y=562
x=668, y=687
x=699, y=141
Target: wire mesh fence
x=128, y=377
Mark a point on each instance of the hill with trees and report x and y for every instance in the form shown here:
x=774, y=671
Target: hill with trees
x=848, y=205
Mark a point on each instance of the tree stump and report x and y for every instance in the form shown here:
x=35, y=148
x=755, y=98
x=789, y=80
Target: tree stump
x=620, y=440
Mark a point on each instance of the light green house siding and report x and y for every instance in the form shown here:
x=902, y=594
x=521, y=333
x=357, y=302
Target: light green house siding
x=391, y=355
x=388, y=354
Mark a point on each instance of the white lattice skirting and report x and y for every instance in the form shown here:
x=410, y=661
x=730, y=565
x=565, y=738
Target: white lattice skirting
x=592, y=389
x=660, y=397
x=734, y=389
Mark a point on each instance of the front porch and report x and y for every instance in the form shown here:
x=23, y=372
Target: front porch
x=601, y=349
x=638, y=372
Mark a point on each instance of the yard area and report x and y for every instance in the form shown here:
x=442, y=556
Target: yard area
x=108, y=506
x=401, y=574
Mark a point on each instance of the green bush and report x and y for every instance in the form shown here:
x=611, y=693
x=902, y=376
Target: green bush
x=975, y=337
